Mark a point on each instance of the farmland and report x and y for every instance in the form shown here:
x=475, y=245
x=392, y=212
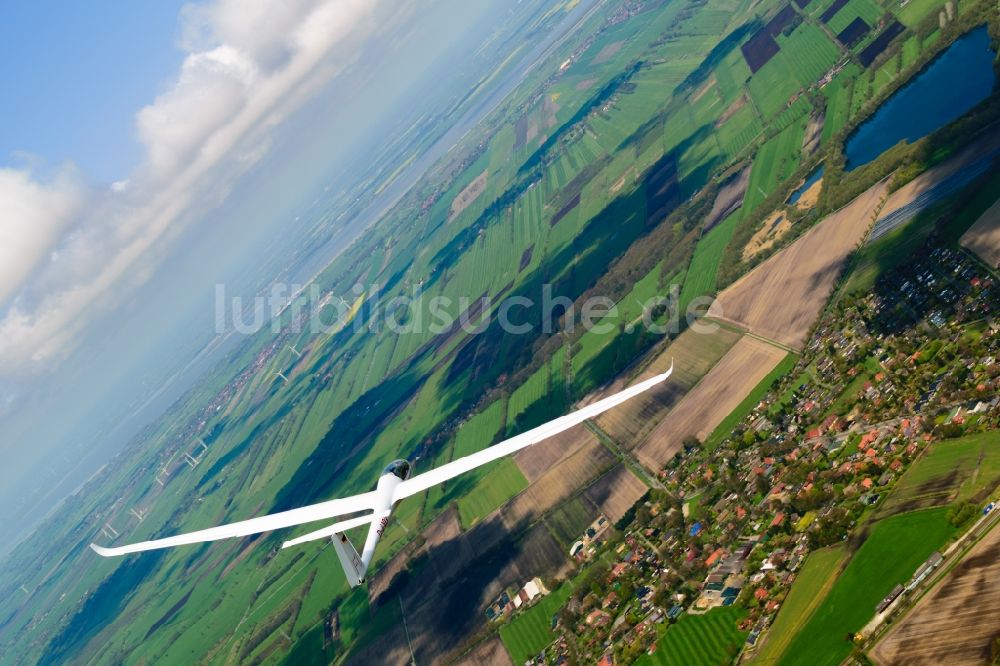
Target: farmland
x=867, y=10
x=615, y=492
x=804, y=56
x=693, y=355
x=812, y=584
x=700, y=411
x=701, y=274
x=838, y=93
x=497, y=486
x=781, y=298
x=385, y=395
x=532, y=630
x=952, y=470
x=698, y=640
x=892, y=551
x=983, y=237
x=746, y=406
x=775, y=162
x=956, y=622
x=559, y=482
x=916, y=10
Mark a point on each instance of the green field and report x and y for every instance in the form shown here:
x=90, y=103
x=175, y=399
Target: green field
x=811, y=52
x=866, y=9
x=699, y=640
x=916, y=10
x=700, y=279
x=838, y=94
x=528, y=633
x=951, y=470
x=496, y=487
x=480, y=431
x=775, y=162
x=893, y=550
x=812, y=583
x=805, y=55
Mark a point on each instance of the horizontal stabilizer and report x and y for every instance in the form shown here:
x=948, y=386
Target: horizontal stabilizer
x=330, y=530
x=354, y=568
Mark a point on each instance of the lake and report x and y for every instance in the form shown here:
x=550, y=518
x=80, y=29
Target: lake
x=950, y=85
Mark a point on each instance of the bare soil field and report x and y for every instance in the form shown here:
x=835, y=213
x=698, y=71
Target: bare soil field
x=984, y=145
x=468, y=195
x=608, y=52
x=707, y=404
x=535, y=461
x=693, y=354
x=616, y=492
x=559, y=482
x=490, y=652
x=781, y=298
x=443, y=528
x=729, y=198
x=983, y=237
x=731, y=110
x=705, y=87
x=814, y=132
x=775, y=226
x=956, y=621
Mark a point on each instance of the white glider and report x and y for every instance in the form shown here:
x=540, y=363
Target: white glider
x=393, y=485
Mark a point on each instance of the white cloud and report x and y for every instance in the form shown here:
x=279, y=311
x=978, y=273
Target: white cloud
x=65, y=257
x=32, y=216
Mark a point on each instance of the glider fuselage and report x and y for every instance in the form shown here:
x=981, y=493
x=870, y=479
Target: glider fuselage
x=385, y=500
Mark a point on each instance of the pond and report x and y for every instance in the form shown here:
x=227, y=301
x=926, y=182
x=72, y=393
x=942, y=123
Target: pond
x=953, y=83
x=810, y=181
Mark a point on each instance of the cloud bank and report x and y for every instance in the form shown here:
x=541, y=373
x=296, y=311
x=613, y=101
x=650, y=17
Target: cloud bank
x=69, y=253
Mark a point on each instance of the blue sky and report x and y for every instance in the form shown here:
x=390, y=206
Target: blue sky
x=77, y=82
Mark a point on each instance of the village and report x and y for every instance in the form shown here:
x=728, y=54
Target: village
x=911, y=362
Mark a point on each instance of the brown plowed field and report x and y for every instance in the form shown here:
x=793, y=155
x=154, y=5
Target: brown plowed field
x=955, y=622
x=490, y=652
x=536, y=460
x=616, y=492
x=559, y=482
x=781, y=298
x=983, y=237
x=693, y=354
x=715, y=396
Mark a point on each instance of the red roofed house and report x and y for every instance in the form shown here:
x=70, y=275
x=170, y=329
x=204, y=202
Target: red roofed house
x=778, y=519
x=598, y=618
x=866, y=483
x=714, y=557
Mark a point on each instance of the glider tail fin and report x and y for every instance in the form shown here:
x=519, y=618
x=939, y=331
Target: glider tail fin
x=349, y=559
